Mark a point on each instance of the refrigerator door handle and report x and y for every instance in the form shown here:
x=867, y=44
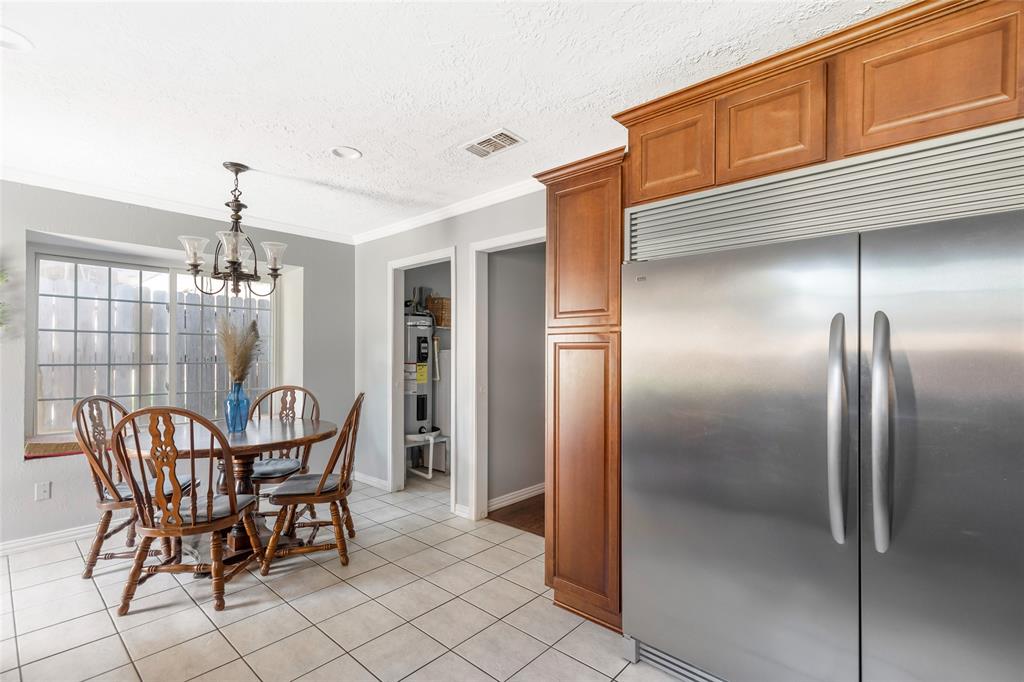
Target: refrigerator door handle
x=881, y=361
x=837, y=428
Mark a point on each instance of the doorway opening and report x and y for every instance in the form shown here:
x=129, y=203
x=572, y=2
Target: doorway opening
x=507, y=335
x=515, y=380
x=422, y=385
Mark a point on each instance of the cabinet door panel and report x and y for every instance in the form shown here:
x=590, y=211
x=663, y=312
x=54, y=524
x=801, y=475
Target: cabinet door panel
x=774, y=125
x=672, y=153
x=584, y=250
x=582, y=472
x=950, y=74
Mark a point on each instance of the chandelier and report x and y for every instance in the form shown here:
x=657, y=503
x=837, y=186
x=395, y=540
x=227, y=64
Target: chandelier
x=233, y=248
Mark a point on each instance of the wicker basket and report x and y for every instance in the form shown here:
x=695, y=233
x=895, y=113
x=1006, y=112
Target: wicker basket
x=441, y=309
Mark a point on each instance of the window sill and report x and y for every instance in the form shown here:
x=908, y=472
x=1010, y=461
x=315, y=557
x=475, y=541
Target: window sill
x=57, y=445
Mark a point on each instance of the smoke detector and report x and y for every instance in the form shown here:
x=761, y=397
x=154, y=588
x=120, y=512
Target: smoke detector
x=498, y=141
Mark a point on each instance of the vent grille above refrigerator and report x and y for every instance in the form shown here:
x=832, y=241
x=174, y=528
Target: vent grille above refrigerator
x=972, y=173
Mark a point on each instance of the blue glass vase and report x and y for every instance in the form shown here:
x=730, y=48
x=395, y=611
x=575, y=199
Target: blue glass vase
x=236, y=409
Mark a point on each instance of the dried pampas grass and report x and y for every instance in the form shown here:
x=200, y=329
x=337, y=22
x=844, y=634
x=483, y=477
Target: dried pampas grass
x=239, y=347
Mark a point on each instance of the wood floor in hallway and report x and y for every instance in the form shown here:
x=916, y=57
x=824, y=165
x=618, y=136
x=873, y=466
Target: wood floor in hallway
x=527, y=515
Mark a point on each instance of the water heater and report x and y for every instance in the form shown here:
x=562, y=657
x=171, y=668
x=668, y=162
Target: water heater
x=419, y=373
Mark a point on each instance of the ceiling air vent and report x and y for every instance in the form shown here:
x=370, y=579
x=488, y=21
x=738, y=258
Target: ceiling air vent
x=497, y=141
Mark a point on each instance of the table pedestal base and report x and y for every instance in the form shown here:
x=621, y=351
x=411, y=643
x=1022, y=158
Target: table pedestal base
x=238, y=545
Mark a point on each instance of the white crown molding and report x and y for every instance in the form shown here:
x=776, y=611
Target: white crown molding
x=101, y=192
x=459, y=207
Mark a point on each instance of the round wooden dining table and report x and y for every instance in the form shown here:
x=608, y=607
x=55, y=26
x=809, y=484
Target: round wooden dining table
x=260, y=436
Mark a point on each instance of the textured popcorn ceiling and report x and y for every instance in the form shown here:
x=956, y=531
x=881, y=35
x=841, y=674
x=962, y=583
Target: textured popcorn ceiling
x=142, y=101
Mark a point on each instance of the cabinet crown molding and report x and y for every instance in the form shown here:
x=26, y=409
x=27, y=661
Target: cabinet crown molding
x=826, y=46
x=612, y=157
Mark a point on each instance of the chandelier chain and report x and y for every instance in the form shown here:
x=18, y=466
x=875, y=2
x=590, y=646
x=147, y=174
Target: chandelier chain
x=232, y=246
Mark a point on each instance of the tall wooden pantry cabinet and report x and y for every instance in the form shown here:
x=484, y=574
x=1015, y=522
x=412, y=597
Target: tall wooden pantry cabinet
x=584, y=254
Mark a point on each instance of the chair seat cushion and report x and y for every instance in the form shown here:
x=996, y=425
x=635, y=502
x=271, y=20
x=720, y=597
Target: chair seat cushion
x=125, y=491
x=274, y=468
x=305, y=485
x=221, y=508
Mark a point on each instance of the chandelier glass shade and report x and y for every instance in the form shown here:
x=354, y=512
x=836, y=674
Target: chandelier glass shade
x=234, y=256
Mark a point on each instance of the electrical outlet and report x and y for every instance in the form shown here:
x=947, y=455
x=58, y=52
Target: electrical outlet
x=42, y=491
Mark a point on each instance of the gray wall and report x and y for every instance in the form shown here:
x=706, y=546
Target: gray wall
x=372, y=307
x=327, y=339
x=515, y=373
x=436, y=276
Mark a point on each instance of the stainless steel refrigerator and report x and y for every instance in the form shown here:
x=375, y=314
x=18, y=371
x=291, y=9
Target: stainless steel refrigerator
x=823, y=456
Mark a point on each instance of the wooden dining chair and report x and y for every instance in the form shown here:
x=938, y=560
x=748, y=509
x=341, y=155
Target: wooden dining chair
x=292, y=402
x=151, y=462
x=326, y=488
x=94, y=418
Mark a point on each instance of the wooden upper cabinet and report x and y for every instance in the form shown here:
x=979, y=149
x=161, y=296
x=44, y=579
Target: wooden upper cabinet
x=952, y=73
x=924, y=69
x=584, y=241
x=582, y=474
x=672, y=153
x=773, y=125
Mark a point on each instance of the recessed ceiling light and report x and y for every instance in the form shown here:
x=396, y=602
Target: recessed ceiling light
x=12, y=40
x=350, y=153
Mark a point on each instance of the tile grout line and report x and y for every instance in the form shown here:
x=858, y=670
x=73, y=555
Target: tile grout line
x=369, y=548
x=14, y=621
x=91, y=582
x=459, y=596
x=131, y=660
x=418, y=578
x=316, y=625
x=107, y=606
x=217, y=629
x=288, y=602
x=114, y=625
x=346, y=653
x=117, y=632
x=452, y=649
x=195, y=604
x=301, y=615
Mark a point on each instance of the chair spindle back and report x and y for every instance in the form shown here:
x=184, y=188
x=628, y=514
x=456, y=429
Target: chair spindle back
x=94, y=419
x=153, y=453
x=344, y=451
x=287, y=403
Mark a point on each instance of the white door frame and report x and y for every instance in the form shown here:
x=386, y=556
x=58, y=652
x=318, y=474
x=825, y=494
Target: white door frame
x=476, y=336
x=395, y=342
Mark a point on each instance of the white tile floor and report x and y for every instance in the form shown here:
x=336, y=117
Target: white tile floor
x=426, y=597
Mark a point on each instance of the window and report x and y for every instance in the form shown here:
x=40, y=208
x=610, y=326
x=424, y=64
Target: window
x=202, y=380
x=104, y=328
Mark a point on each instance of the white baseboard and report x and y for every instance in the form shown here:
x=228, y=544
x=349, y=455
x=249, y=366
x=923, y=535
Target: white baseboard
x=89, y=530
x=55, y=538
x=463, y=511
x=515, y=496
x=371, y=481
